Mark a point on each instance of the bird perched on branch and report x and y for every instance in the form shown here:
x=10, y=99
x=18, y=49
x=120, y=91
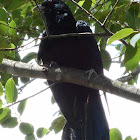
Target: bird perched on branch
x=81, y=106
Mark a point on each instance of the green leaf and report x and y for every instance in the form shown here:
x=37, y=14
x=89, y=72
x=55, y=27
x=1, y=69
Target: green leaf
x=3, y=15
x=41, y=132
x=16, y=13
x=134, y=39
x=53, y=100
x=5, y=113
x=30, y=137
x=115, y=134
x=1, y=103
x=12, y=52
x=3, y=27
x=10, y=123
x=133, y=81
x=106, y=59
x=1, y=1
x=26, y=128
x=128, y=138
x=29, y=57
x=132, y=16
x=13, y=4
x=4, y=77
x=4, y=43
x=132, y=57
x=120, y=34
x=22, y=106
x=135, y=139
x=87, y=4
x=10, y=91
x=115, y=27
x=58, y=124
x=1, y=89
x=1, y=56
x=12, y=30
x=103, y=43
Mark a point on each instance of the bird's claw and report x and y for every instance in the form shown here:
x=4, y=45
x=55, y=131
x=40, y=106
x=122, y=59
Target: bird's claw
x=53, y=64
x=90, y=72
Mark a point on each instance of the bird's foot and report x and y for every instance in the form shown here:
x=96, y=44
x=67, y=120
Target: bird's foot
x=49, y=65
x=53, y=64
x=90, y=72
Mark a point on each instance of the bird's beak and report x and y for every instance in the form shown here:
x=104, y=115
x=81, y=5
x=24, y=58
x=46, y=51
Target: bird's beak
x=38, y=7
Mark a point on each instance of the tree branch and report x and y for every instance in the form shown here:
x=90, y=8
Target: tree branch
x=62, y=74
x=30, y=96
x=97, y=21
x=130, y=76
x=59, y=36
x=109, y=14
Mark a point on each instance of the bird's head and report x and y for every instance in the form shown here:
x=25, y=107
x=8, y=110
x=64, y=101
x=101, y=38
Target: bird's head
x=57, y=13
x=53, y=8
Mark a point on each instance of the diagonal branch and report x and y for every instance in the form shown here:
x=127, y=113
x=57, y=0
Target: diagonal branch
x=97, y=21
x=130, y=76
x=91, y=16
x=70, y=75
x=31, y=96
x=109, y=14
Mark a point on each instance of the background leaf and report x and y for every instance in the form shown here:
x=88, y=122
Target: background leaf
x=115, y=134
x=10, y=123
x=26, y=128
x=21, y=106
x=57, y=124
x=132, y=57
x=5, y=113
x=10, y=91
x=30, y=137
x=134, y=39
x=41, y=132
x=120, y=34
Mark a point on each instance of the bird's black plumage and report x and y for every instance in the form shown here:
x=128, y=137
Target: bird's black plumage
x=80, y=105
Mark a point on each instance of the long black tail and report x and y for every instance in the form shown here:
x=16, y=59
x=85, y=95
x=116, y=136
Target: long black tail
x=93, y=124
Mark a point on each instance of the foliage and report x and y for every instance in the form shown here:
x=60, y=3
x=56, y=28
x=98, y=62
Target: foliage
x=18, y=21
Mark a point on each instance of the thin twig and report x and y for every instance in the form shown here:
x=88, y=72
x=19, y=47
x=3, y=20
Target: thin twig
x=116, y=61
x=22, y=87
x=109, y=14
x=78, y=34
x=99, y=5
x=31, y=95
x=12, y=49
x=83, y=9
x=96, y=20
x=59, y=36
x=130, y=76
x=118, y=56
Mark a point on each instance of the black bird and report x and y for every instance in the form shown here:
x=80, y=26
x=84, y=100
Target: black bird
x=80, y=105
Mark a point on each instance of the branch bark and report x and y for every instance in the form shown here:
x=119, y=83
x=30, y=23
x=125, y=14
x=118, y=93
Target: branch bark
x=63, y=74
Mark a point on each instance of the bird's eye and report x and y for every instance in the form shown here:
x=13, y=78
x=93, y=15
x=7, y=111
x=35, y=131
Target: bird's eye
x=48, y=3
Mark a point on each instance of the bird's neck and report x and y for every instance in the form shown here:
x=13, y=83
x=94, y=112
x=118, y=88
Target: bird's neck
x=62, y=24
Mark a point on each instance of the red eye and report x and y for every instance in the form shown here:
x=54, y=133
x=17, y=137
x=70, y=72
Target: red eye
x=50, y=2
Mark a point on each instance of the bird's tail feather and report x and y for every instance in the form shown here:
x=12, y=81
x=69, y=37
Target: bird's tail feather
x=94, y=125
